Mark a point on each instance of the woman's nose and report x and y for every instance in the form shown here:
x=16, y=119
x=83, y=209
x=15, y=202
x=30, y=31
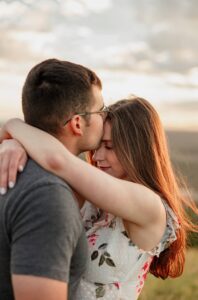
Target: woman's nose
x=98, y=154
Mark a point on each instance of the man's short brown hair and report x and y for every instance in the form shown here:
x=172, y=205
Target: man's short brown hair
x=54, y=90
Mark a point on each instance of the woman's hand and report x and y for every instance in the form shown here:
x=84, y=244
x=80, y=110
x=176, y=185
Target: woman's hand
x=13, y=158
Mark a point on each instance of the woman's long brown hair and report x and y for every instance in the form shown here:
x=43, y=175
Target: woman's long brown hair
x=140, y=144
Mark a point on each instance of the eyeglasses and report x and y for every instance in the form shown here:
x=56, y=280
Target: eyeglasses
x=103, y=112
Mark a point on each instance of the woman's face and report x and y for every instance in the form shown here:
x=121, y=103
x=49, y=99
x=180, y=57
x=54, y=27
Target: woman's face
x=105, y=157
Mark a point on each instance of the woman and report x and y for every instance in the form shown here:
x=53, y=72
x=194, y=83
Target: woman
x=135, y=219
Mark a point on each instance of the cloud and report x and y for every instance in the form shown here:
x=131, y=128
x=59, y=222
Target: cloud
x=144, y=47
x=184, y=81
x=185, y=106
x=170, y=33
x=140, y=36
x=66, y=8
x=84, y=7
x=20, y=52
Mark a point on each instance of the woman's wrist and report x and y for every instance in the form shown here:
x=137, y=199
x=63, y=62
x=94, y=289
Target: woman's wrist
x=8, y=128
x=12, y=123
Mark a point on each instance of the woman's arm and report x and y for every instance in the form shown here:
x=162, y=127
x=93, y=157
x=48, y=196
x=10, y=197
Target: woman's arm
x=130, y=201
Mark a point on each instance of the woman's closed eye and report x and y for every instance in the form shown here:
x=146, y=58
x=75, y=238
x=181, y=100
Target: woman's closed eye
x=108, y=147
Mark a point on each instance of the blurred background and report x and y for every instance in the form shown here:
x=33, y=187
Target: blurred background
x=143, y=47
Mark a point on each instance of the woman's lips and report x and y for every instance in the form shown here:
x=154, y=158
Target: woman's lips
x=104, y=168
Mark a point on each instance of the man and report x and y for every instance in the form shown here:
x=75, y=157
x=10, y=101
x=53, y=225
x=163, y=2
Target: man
x=42, y=241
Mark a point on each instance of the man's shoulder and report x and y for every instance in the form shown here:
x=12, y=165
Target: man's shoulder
x=38, y=184
x=39, y=190
x=34, y=173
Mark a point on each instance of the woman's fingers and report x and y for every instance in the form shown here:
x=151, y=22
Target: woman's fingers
x=12, y=159
x=22, y=161
x=4, y=165
x=13, y=169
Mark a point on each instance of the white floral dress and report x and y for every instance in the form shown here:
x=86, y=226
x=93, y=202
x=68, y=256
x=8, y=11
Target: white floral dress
x=117, y=268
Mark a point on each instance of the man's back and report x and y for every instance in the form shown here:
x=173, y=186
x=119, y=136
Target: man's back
x=41, y=233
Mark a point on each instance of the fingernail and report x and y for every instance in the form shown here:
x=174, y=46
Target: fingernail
x=21, y=168
x=3, y=191
x=11, y=184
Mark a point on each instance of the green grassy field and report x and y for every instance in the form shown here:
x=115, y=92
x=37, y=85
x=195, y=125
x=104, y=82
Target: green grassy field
x=182, y=288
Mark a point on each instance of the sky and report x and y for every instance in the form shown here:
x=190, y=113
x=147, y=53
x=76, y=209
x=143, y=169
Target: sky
x=143, y=47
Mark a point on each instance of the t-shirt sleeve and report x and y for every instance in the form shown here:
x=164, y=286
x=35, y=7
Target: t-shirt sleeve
x=45, y=230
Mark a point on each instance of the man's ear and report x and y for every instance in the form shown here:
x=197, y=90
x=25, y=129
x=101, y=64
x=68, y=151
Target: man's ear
x=76, y=125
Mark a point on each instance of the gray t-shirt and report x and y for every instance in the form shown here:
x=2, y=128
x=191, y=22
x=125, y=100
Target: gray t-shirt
x=41, y=231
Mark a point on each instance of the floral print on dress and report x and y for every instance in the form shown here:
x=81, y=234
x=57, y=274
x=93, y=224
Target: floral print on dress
x=143, y=274
x=117, y=268
x=92, y=238
x=100, y=290
x=103, y=256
